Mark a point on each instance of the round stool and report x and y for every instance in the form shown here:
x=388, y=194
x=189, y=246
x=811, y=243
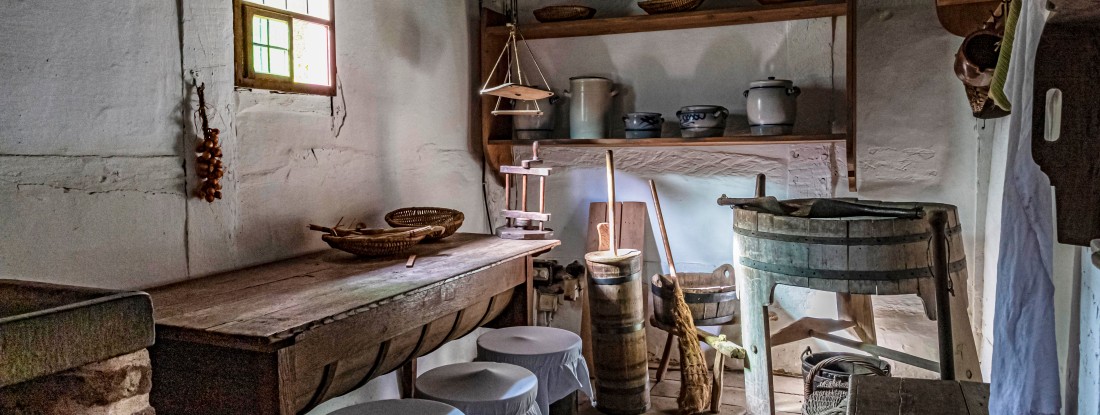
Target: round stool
x=482, y=388
x=552, y=354
x=399, y=407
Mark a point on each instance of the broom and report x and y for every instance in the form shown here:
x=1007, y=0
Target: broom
x=694, y=374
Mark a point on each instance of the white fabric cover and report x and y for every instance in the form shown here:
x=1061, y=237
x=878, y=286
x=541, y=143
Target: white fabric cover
x=481, y=388
x=552, y=354
x=1025, y=379
x=399, y=407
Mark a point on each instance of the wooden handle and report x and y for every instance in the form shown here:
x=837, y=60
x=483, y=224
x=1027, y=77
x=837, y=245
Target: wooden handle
x=611, y=203
x=664, y=233
x=760, y=185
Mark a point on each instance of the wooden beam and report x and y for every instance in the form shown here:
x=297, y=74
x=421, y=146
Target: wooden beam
x=686, y=20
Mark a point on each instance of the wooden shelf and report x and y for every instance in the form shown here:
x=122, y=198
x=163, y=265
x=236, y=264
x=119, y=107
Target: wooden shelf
x=678, y=142
x=686, y=20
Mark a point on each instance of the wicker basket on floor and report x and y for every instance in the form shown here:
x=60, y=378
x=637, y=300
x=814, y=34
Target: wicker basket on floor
x=379, y=242
x=669, y=6
x=449, y=219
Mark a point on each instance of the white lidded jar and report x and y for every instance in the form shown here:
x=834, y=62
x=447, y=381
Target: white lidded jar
x=589, y=106
x=772, y=106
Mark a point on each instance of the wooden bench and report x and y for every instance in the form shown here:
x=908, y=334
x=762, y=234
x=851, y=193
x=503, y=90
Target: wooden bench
x=281, y=338
x=875, y=395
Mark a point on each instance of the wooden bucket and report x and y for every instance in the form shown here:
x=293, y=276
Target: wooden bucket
x=857, y=255
x=712, y=297
x=615, y=296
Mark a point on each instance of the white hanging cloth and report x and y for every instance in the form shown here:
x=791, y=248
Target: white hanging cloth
x=1025, y=379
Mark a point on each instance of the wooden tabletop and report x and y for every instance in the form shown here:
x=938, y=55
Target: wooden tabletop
x=875, y=395
x=272, y=302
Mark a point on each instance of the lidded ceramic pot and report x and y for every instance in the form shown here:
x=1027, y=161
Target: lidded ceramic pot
x=772, y=106
x=589, y=106
x=643, y=124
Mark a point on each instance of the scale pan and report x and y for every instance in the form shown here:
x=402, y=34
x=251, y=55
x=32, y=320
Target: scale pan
x=532, y=113
x=516, y=91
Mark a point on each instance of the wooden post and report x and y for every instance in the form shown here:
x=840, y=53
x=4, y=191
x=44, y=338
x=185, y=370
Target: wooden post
x=938, y=220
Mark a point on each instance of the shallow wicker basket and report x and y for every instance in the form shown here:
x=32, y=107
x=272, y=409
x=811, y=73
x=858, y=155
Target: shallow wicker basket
x=669, y=6
x=449, y=219
x=379, y=242
x=563, y=13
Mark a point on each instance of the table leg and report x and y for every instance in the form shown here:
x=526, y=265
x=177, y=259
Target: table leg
x=716, y=385
x=665, y=356
x=406, y=379
x=755, y=334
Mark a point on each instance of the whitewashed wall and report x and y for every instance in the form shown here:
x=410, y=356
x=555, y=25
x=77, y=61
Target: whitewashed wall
x=97, y=126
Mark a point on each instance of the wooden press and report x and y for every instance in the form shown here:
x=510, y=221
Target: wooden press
x=521, y=223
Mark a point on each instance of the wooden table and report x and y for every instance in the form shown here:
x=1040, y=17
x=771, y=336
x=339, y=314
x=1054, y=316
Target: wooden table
x=874, y=395
x=281, y=338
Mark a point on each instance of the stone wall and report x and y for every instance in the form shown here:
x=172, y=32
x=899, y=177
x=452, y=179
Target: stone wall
x=116, y=386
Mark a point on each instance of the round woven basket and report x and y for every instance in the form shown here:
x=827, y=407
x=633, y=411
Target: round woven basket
x=563, y=13
x=669, y=6
x=380, y=242
x=449, y=219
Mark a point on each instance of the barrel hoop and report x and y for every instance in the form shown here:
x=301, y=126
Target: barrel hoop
x=603, y=329
x=829, y=274
x=615, y=280
x=833, y=240
x=690, y=297
x=633, y=390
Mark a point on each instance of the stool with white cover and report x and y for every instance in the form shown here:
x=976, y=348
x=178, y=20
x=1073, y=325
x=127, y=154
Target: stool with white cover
x=399, y=407
x=482, y=388
x=552, y=354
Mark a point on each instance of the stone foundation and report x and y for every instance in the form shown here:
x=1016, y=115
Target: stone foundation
x=117, y=386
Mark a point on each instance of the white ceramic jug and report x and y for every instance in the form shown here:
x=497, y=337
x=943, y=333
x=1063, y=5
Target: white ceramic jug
x=589, y=106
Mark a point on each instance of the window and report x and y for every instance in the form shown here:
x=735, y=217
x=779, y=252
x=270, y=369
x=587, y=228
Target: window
x=285, y=45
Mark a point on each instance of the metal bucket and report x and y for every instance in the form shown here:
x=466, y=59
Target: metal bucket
x=839, y=371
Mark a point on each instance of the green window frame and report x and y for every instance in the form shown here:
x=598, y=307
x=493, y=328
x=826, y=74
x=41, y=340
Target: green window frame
x=257, y=52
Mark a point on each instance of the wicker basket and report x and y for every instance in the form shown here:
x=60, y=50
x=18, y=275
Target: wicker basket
x=379, y=242
x=669, y=6
x=449, y=219
x=563, y=13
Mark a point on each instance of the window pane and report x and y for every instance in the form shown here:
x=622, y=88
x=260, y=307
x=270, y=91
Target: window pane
x=318, y=8
x=260, y=62
x=278, y=4
x=280, y=62
x=259, y=30
x=311, y=53
x=278, y=33
x=298, y=6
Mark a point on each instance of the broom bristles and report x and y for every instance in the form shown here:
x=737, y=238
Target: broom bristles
x=694, y=374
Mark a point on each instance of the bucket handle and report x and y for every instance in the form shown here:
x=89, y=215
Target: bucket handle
x=808, y=386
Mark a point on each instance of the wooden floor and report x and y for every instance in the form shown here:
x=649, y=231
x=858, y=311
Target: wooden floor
x=788, y=396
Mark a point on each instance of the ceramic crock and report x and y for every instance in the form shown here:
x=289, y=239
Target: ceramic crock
x=643, y=124
x=702, y=121
x=772, y=106
x=589, y=106
x=535, y=127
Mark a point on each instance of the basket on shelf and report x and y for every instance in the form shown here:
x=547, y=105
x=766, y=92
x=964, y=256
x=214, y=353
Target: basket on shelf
x=563, y=13
x=377, y=242
x=669, y=6
x=449, y=219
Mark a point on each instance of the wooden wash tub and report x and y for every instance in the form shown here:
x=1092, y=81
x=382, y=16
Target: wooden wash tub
x=712, y=297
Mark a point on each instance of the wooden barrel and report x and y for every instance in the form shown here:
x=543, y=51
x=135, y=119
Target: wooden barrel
x=615, y=296
x=712, y=297
x=857, y=255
